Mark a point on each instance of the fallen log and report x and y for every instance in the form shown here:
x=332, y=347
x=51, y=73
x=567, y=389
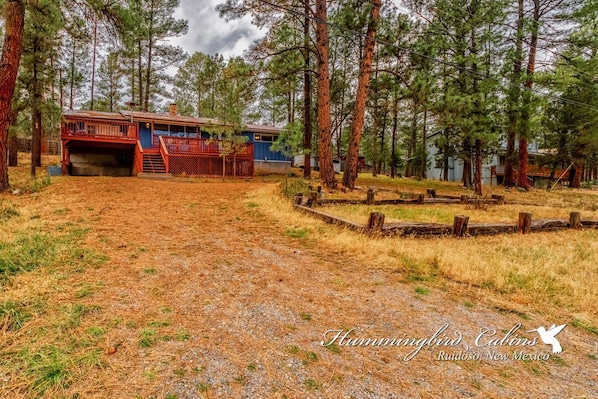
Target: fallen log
x=592, y=224
x=549, y=224
x=331, y=219
x=491, y=229
x=417, y=229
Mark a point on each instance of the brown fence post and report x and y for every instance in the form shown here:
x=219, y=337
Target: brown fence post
x=298, y=199
x=375, y=222
x=460, y=225
x=420, y=199
x=525, y=222
x=431, y=193
x=313, y=199
x=464, y=199
x=575, y=220
x=369, y=199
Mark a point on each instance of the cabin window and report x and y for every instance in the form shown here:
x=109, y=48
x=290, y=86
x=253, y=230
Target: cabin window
x=160, y=128
x=270, y=138
x=192, y=131
x=177, y=130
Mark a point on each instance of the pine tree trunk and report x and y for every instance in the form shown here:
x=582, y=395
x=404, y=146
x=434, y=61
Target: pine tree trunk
x=467, y=174
x=93, y=64
x=467, y=163
x=12, y=48
x=306, y=98
x=13, y=150
x=148, y=77
x=324, y=122
x=382, y=136
x=36, y=117
x=374, y=147
x=363, y=82
x=395, y=117
x=13, y=144
x=523, y=157
x=576, y=173
x=514, y=101
x=424, y=160
x=140, y=74
x=477, y=176
x=72, y=78
x=527, y=99
x=409, y=169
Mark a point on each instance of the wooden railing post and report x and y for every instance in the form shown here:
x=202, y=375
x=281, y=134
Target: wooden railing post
x=431, y=193
x=165, y=154
x=420, y=199
x=525, y=222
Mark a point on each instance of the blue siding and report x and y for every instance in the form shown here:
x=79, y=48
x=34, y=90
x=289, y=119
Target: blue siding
x=261, y=149
x=262, y=152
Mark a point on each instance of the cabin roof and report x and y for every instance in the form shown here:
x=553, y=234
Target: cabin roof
x=138, y=116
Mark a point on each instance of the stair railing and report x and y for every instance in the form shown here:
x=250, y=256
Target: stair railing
x=139, y=157
x=165, y=154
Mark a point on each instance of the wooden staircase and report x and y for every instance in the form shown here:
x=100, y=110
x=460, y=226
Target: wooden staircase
x=153, y=163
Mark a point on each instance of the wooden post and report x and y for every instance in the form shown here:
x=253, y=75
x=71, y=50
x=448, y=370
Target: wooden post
x=500, y=199
x=319, y=190
x=298, y=199
x=575, y=220
x=431, y=193
x=525, y=222
x=460, y=225
x=375, y=222
x=420, y=199
x=369, y=199
x=313, y=199
x=464, y=199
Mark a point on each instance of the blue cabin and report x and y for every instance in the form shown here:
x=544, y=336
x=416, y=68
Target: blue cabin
x=132, y=142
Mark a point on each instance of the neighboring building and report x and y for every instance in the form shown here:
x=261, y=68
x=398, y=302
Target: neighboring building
x=338, y=164
x=131, y=142
x=493, y=168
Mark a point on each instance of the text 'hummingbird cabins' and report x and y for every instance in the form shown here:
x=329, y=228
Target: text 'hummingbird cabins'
x=130, y=142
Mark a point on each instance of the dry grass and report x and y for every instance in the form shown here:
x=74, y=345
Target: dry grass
x=546, y=273
x=124, y=287
x=438, y=213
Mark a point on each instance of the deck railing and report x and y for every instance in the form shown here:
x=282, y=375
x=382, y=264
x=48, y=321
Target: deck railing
x=182, y=145
x=99, y=129
x=165, y=155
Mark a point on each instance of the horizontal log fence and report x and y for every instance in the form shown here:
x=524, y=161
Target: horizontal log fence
x=460, y=228
x=430, y=198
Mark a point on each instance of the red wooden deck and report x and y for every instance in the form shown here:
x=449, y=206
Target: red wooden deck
x=181, y=156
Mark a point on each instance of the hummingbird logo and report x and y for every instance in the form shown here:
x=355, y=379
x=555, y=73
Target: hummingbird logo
x=549, y=336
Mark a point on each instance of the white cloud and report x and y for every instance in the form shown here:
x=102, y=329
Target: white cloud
x=211, y=34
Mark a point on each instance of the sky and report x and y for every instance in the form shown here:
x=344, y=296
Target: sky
x=211, y=34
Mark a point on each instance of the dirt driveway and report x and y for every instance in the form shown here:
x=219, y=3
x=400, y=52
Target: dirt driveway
x=205, y=295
